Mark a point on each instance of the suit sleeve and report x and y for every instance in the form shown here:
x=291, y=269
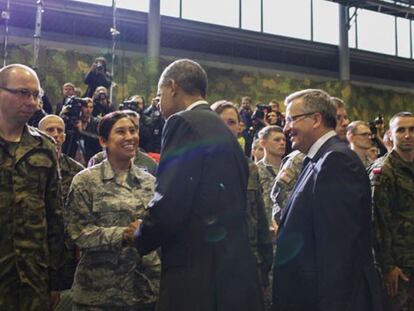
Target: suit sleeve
x=178, y=175
x=342, y=216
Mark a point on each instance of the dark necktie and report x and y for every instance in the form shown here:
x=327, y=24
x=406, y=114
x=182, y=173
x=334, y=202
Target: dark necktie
x=305, y=162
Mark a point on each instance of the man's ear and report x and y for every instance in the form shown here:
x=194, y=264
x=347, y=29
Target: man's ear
x=317, y=117
x=174, y=87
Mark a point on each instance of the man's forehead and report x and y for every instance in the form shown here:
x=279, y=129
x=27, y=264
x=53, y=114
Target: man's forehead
x=53, y=122
x=341, y=112
x=19, y=77
x=402, y=122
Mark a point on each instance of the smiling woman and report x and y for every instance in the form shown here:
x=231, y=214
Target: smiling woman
x=103, y=205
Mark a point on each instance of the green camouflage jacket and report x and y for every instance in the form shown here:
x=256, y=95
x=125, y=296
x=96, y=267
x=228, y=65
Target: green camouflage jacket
x=267, y=175
x=100, y=206
x=392, y=182
x=286, y=180
x=257, y=224
x=31, y=213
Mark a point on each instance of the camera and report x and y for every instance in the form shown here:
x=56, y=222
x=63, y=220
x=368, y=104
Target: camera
x=99, y=66
x=260, y=112
x=129, y=104
x=73, y=110
x=374, y=124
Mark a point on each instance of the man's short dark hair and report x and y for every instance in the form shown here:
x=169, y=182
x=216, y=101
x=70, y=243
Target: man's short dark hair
x=188, y=74
x=353, y=126
x=401, y=114
x=265, y=132
x=315, y=100
x=221, y=105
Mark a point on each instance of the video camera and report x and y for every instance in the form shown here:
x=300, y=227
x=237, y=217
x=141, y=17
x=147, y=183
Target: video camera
x=374, y=124
x=73, y=108
x=129, y=105
x=260, y=112
x=99, y=66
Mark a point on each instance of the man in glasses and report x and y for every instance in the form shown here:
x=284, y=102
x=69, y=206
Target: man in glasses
x=323, y=257
x=31, y=224
x=292, y=164
x=359, y=138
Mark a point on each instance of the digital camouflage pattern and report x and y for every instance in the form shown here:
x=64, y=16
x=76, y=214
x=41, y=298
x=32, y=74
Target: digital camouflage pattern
x=392, y=182
x=68, y=169
x=100, y=206
x=258, y=230
x=141, y=160
x=32, y=244
x=258, y=226
x=286, y=180
x=267, y=175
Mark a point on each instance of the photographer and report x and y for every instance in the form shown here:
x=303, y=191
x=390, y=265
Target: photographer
x=81, y=130
x=137, y=103
x=101, y=103
x=157, y=123
x=97, y=76
x=259, y=119
x=377, y=129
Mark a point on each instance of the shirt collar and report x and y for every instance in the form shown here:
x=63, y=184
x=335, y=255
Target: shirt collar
x=318, y=144
x=197, y=103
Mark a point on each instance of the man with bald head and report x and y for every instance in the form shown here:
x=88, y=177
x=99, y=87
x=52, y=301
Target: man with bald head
x=31, y=223
x=55, y=127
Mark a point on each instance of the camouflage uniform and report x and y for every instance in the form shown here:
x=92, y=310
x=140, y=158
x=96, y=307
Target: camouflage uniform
x=258, y=229
x=267, y=175
x=392, y=181
x=31, y=222
x=141, y=160
x=100, y=206
x=68, y=169
x=285, y=180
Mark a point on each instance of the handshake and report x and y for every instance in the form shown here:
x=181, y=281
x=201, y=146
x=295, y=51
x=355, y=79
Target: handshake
x=129, y=233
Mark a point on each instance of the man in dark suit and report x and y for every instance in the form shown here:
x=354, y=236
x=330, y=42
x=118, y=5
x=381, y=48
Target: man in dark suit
x=323, y=255
x=197, y=215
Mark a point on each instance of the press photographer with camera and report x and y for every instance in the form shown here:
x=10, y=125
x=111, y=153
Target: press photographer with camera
x=137, y=103
x=157, y=122
x=97, y=76
x=101, y=103
x=259, y=119
x=81, y=130
x=377, y=129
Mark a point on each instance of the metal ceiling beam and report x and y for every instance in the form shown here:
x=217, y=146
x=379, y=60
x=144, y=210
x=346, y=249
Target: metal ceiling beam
x=401, y=8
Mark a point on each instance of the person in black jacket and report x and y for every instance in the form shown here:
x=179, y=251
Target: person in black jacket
x=98, y=75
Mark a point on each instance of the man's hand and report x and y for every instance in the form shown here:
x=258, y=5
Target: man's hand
x=54, y=298
x=391, y=280
x=129, y=233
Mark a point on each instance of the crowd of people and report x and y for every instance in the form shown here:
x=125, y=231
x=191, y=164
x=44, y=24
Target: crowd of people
x=183, y=205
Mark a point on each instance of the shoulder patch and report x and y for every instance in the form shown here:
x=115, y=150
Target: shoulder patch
x=377, y=170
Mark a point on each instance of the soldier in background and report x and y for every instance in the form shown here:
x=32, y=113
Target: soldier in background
x=55, y=127
x=32, y=244
x=258, y=226
x=392, y=180
x=273, y=142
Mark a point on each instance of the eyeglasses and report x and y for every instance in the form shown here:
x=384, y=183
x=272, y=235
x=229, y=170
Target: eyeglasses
x=363, y=134
x=24, y=93
x=291, y=119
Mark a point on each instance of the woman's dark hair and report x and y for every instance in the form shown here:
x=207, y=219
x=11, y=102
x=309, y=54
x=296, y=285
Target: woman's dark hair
x=107, y=122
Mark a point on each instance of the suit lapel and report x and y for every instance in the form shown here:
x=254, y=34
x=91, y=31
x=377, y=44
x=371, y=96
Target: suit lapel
x=304, y=176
